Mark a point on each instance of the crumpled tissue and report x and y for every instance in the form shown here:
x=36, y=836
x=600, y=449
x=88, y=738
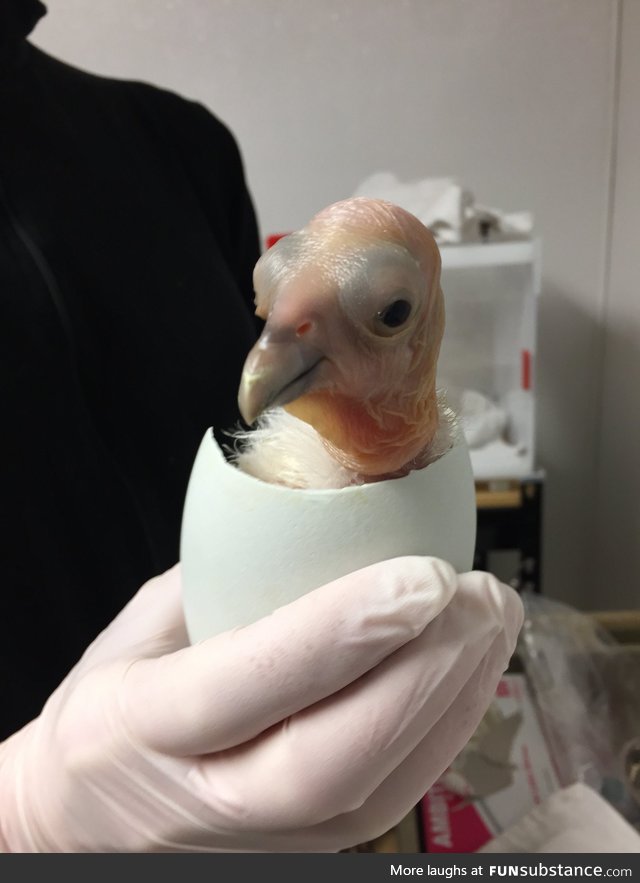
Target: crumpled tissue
x=573, y=820
x=448, y=209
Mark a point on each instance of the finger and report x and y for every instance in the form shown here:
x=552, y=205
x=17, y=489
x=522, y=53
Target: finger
x=224, y=691
x=409, y=782
x=152, y=623
x=331, y=757
x=383, y=808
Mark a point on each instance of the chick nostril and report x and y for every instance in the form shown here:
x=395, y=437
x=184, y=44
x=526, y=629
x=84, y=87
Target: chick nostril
x=302, y=329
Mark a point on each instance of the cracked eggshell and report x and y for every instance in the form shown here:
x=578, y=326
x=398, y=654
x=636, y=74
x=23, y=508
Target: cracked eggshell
x=248, y=547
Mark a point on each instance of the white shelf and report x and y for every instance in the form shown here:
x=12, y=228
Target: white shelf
x=490, y=254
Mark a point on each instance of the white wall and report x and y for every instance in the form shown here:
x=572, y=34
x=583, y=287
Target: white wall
x=517, y=98
x=617, y=503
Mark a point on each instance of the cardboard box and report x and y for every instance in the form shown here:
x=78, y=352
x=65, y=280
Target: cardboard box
x=504, y=771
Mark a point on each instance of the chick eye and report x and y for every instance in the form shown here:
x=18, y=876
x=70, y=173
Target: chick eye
x=396, y=314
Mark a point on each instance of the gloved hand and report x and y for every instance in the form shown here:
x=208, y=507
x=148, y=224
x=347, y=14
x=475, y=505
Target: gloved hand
x=314, y=729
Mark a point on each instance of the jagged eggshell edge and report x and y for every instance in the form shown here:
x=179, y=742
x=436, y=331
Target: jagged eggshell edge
x=248, y=547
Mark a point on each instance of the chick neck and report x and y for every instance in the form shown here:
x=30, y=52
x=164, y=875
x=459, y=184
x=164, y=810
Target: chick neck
x=373, y=439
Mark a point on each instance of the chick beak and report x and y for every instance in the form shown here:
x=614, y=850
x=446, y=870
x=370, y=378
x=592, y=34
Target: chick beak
x=280, y=368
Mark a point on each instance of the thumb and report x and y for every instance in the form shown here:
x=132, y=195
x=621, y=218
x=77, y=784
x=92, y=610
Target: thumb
x=150, y=625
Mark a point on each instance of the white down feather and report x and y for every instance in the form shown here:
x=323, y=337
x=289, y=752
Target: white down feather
x=282, y=449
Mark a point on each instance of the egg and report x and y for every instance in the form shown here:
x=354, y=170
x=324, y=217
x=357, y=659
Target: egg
x=248, y=547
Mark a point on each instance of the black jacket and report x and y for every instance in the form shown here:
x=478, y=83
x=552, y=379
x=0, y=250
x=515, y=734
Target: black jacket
x=127, y=242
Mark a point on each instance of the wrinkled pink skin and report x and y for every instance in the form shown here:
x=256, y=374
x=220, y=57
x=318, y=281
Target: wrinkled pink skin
x=370, y=389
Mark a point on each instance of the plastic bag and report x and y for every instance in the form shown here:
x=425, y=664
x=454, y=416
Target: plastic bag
x=587, y=690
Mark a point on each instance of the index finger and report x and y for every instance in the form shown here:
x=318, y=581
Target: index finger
x=225, y=690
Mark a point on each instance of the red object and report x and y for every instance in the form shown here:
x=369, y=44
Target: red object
x=451, y=823
x=272, y=238
x=526, y=369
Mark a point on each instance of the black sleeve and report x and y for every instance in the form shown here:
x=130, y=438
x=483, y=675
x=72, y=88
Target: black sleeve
x=212, y=160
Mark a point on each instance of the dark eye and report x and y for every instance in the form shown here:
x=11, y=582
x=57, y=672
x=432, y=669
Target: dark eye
x=396, y=314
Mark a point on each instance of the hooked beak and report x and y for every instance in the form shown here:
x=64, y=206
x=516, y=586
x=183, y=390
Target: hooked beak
x=277, y=371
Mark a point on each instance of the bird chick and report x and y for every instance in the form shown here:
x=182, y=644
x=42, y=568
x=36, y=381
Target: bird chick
x=344, y=372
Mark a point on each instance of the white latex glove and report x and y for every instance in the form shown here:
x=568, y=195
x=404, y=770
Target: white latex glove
x=314, y=729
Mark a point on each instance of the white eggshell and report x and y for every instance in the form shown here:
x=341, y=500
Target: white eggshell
x=248, y=547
